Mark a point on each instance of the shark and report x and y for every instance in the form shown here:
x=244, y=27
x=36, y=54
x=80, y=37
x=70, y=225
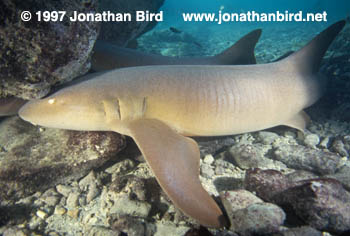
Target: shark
x=162, y=107
x=107, y=56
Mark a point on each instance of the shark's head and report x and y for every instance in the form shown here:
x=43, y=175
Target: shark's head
x=70, y=108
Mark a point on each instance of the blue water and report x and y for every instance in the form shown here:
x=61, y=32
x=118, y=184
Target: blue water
x=277, y=37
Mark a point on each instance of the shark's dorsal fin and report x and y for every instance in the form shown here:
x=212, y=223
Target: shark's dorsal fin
x=174, y=160
x=242, y=51
x=299, y=121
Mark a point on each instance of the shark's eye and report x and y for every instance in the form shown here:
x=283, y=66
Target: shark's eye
x=51, y=101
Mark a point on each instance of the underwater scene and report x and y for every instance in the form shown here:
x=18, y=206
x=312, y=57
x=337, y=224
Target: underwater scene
x=176, y=118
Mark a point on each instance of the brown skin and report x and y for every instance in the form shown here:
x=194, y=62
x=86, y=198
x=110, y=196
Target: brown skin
x=158, y=105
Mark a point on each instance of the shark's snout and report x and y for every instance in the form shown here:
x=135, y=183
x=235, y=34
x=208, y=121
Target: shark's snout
x=26, y=112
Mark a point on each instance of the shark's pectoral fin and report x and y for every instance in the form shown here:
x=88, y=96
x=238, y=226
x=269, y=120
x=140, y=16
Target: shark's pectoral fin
x=174, y=160
x=299, y=121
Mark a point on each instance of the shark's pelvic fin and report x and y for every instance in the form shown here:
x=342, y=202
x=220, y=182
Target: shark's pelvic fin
x=299, y=121
x=243, y=48
x=174, y=160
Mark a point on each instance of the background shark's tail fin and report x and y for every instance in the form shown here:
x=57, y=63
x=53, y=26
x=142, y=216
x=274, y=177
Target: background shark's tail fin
x=242, y=52
x=308, y=59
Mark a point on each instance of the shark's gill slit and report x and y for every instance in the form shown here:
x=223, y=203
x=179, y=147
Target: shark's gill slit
x=144, y=105
x=119, y=115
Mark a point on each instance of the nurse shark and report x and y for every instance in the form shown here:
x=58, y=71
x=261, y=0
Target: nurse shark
x=106, y=56
x=160, y=107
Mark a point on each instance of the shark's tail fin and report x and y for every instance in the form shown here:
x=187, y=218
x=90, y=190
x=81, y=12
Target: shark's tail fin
x=308, y=58
x=242, y=52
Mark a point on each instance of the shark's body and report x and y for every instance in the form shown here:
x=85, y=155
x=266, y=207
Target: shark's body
x=107, y=56
x=158, y=105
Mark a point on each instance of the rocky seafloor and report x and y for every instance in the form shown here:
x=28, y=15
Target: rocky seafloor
x=272, y=182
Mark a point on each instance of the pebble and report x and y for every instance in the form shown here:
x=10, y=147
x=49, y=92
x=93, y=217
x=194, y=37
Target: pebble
x=128, y=225
x=311, y=140
x=73, y=213
x=324, y=142
x=64, y=189
x=73, y=200
x=124, y=206
x=267, y=137
x=13, y=231
x=121, y=167
x=208, y=159
x=93, y=192
x=207, y=171
x=339, y=147
x=85, y=182
x=59, y=210
x=41, y=214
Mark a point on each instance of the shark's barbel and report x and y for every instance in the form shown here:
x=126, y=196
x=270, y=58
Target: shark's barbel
x=159, y=105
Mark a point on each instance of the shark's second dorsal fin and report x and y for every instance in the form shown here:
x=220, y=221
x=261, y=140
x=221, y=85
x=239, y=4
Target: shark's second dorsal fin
x=242, y=52
x=308, y=58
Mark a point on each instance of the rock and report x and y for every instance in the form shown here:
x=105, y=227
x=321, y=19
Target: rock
x=208, y=159
x=73, y=200
x=14, y=231
x=343, y=176
x=35, y=159
x=74, y=214
x=265, y=183
x=237, y=200
x=121, y=168
x=128, y=225
x=299, y=175
x=324, y=142
x=304, y=230
x=64, y=189
x=121, y=33
x=339, y=147
x=170, y=229
x=59, y=210
x=199, y=232
x=321, y=203
x=101, y=231
x=258, y=218
x=93, y=192
x=304, y=158
x=267, y=137
x=41, y=214
x=36, y=55
x=134, y=186
x=249, y=215
x=125, y=206
x=213, y=145
x=207, y=171
x=247, y=156
x=311, y=140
